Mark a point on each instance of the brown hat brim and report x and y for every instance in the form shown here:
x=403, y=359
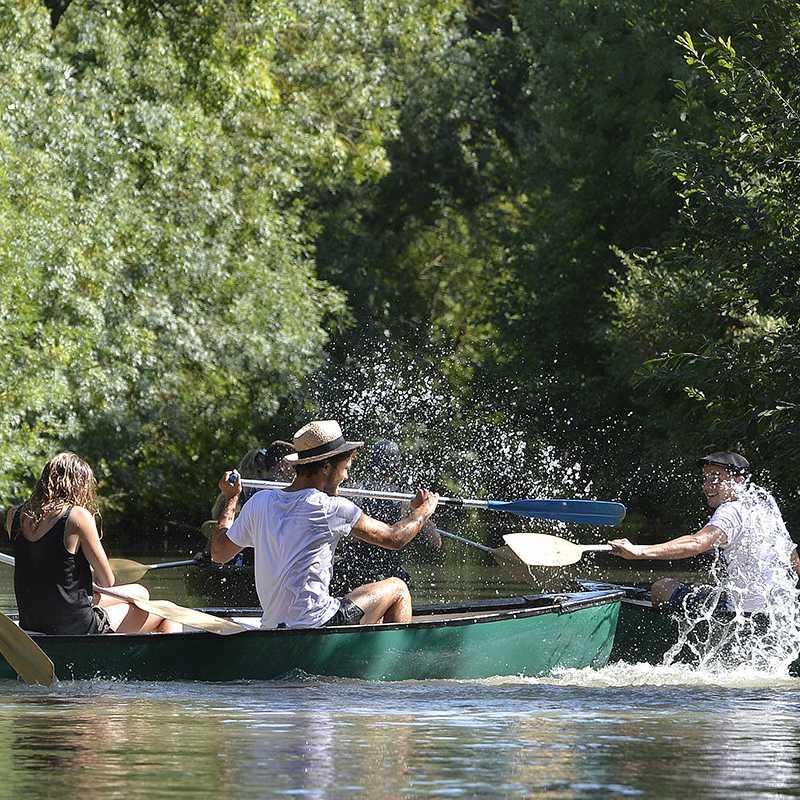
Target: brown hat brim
x=294, y=458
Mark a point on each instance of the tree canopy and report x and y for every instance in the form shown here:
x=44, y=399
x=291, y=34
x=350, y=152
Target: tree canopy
x=203, y=201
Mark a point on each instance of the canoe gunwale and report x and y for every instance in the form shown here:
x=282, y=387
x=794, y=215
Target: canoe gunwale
x=563, y=603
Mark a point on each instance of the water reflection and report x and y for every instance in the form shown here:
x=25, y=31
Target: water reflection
x=624, y=731
x=337, y=739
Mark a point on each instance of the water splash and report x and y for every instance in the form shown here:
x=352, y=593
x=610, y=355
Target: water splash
x=754, y=581
x=498, y=444
x=479, y=446
x=624, y=675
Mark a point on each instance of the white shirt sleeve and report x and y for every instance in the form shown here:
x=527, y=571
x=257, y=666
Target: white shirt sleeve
x=241, y=532
x=343, y=514
x=728, y=518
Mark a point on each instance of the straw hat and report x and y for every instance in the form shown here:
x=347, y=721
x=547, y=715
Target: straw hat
x=319, y=440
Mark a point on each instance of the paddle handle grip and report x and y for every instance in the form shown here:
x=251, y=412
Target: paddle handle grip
x=347, y=491
x=596, y=548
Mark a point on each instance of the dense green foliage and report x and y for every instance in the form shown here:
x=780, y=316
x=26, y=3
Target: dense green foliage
x=159, y=296
x=709, y=324
x=594, y=202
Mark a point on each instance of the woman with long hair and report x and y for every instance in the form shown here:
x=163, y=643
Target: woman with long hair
x=56, y=546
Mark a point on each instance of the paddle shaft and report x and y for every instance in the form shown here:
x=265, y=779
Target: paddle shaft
x=456, y=538
x=374, y=494
x=189, y=562
x=124, y=563
x=587, y=512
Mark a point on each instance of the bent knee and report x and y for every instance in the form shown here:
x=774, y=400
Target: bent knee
x=397, y=586
x=135, y=590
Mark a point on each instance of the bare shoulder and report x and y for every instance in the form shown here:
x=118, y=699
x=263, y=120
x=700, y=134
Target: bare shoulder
x=81, y=518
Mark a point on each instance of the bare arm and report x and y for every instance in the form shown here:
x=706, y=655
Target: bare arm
x=682, y=547
x=82, y=526
x=795, y=561
x=393, y=537
x=10, y=520
x=222, y=548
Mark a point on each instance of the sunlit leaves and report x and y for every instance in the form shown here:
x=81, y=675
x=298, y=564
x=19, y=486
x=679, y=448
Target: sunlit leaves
x=159, y=297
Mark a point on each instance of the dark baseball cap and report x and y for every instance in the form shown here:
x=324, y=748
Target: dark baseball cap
x=733, y=461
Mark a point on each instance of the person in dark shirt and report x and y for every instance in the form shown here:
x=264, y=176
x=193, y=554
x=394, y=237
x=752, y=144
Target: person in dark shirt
x=261, y=464
x=59, y=556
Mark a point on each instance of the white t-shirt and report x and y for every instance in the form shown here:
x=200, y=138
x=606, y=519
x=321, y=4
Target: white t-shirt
x=294, y=535
x=756, y=557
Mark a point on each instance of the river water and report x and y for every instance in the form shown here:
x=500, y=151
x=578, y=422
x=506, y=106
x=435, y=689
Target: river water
x=623, y=731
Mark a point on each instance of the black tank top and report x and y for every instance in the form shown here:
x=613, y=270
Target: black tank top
x=52, y=585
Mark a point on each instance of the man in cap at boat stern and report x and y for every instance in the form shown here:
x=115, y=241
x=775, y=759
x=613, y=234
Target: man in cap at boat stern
x=294, y=532
x=756, y=553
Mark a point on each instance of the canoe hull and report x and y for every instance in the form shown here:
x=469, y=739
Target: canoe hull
x=577, y=631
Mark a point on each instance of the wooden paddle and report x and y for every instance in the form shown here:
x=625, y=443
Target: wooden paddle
x=186, y=616
x=588, y=512
x=166, y=609
x=27, y=659
x=541, y=550
x=127, y=571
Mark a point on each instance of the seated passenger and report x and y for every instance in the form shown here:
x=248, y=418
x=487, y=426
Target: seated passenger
x=55, y=542
x=263, y=464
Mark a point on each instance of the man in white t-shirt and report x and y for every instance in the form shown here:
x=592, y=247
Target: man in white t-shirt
x=294, y=532
x=757, y=555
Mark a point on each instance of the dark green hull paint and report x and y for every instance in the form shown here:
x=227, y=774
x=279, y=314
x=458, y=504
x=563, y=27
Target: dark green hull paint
x=533, y=637
x=644, y=633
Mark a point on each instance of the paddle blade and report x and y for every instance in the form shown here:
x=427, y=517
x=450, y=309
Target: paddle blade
x=541, y=550
x=127, y=571
x=28, y=660
x=587, y=512
x=505, y=556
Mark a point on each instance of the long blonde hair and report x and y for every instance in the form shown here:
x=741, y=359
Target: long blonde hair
x=66, y=480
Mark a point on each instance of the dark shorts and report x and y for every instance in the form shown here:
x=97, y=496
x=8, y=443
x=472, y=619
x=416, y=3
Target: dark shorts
x=348, y=614
x=697, y=599
x=100, y=623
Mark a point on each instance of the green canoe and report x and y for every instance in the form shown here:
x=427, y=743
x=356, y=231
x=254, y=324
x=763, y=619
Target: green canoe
x=525, y=636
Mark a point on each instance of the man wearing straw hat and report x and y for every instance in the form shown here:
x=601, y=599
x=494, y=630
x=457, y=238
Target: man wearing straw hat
x=294, y=532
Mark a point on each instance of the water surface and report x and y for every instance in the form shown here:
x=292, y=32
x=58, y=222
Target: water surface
x=624, y=731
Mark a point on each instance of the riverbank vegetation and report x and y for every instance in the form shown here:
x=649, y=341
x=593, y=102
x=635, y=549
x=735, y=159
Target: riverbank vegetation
x=208, y=204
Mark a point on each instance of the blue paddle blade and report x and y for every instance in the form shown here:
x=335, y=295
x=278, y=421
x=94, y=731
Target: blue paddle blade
x=587, y=512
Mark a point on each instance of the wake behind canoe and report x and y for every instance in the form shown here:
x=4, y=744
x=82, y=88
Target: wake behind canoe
x=527, y=636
